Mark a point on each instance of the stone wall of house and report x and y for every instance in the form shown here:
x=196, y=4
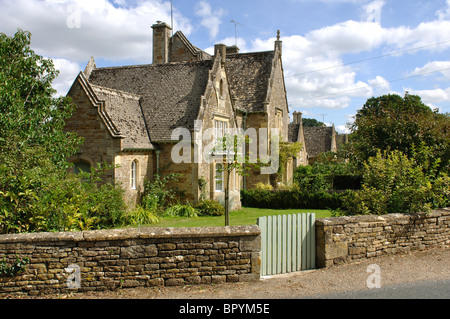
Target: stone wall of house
x=179, y=52
x=129, y=258
x=99, y=145
x=145, y=170
x=187, y=180
x=256, y=121
x=356, y=238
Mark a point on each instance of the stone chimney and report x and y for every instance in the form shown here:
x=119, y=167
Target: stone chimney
x=222, y=50
x=161, y=42
x=297, y=117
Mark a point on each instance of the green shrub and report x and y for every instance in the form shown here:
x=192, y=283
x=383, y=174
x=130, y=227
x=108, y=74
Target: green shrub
x=40, y=200
x=180, y=210
x=394, y=183
x=342, y=182
x=82, y=202
x=140, y=216
x=263, y=187
x=210, y=208
x=292, y=199
x=157, y=194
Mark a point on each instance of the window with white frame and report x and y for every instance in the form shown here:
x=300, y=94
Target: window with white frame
x=133, y=174
x=220, y=128
x=219, y=178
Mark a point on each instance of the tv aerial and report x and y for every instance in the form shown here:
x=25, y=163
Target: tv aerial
x=235, y=30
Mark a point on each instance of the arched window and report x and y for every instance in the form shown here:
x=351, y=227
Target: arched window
x=133, y=174
x=219, y=178
x=81, y=166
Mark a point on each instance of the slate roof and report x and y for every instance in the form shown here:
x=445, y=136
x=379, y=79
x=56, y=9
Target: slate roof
x=317, y=140
x=248, y=78
x=125, y=112
x=169, y=93
x=293, y=132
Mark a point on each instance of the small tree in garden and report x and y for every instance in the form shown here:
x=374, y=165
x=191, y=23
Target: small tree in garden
x=230, y=150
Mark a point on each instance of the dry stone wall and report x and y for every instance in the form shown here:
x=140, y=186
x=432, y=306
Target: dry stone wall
x=356, y=238
x=129, y=258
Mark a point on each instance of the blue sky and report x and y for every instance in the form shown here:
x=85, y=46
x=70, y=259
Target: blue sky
x=336, y=53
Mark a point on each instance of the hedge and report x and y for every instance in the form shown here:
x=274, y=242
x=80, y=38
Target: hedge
x=292, y=199
x=342, y=182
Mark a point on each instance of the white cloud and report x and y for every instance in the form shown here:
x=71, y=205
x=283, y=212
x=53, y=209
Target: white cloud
x=432, y=97
x=435, y=67
x=68, y=72
x=380, y=85
x=210, y=19
x=76, y=30
x=342, y=129
x=317, y=76
x=72, y=31
x=445, y=13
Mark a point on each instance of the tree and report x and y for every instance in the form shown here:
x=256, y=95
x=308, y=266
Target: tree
x=229, y=151
x=312, y=123
x=33, y=146
x=30, y=115
x=390, y=122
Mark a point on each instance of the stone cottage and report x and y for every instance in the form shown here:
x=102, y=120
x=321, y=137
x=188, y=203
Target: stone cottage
x=315, y=140
x=128, y=114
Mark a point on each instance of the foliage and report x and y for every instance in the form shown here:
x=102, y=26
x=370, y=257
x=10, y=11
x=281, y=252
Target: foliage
x=15, y=269
x=36, y=191
x=179, y=210
x=286, y=152
x=292, y=199
x=394, y=183
x=263, y=187
x=312, y=122
x=157, y=194
x=390, y=122
x=202, y=186
x=323, y=174
x=229, y=150
x=30, y=115
x=209, y=208
x=64, y=202
x=140, y=216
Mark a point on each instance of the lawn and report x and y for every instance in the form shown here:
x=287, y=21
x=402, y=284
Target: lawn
x=244, y=216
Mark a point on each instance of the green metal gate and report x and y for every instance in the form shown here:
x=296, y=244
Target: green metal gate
x=288, y=243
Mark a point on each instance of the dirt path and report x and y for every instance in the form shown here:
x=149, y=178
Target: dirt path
x=422, y=265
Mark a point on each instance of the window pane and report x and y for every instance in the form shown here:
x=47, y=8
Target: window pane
x=219, y=178
x=133, y=175
x=82, y=166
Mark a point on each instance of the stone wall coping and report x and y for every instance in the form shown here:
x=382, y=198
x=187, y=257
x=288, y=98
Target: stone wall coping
x=334, y=221
x=133, y=233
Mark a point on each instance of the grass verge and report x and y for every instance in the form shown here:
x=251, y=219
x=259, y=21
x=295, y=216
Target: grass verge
x=244, y=216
